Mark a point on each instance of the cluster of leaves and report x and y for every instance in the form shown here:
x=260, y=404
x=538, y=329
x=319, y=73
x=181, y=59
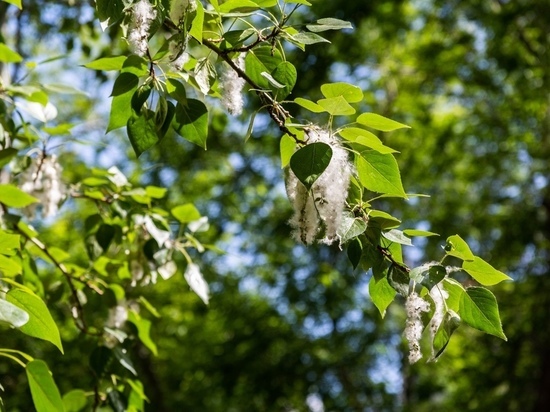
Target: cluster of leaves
x=132, y=237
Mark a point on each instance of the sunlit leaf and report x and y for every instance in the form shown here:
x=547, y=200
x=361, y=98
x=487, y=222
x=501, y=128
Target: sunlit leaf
x=381, y=293
x=14, y=2
x=198, y=22
x=365, y=138
x=419, y=233
x=75, y=400
x=479, y=309
x=12, y=196
x=380, y=173
x=483, y=272
x=287, y=147
x=329, y=24
x=285, y=74
x=350, y=92
x=231, y=5
x=186, y=213
x=41, y=324
x=144, y=330
x=377, y=122
x=106, y=63
x=309, y=105
x=336, y=106
x=457, y=247
x=8, y=55
x=45, y=395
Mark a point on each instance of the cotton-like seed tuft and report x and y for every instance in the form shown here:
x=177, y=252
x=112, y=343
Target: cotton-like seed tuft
x=414, y=306
x=43, y=181
x=143, y=14
x=327, y=198
x=231, y=86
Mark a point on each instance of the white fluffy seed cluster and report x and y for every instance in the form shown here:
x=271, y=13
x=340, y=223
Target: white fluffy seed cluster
x=179, y=8
x=43, y=181
x=231, y=86
x=143, y=14
x=327, y=198
x=414, y=306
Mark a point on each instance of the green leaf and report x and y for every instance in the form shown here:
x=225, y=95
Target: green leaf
x=9, y=243
x=479, y=309
x=124, y=83
x=45, y=395
x=136, y=65
x=365, y=138
x=12, y=196
x=308, y=38
x=379, y=172
x=231, y=5
x=304, y=2
x=442, y=337
x=457, y=247
x=419, y=233
x=377, y=122
x=355, y=251
x=75, y=400
x=383, y=220
x=10, y=266
x=435, y=274
x=381, y=293
x=142, y=133
x=107, y=63
x=15, y=3
x=12, y=314
x=397, y=236
x=329, y=24
x=309, y=105
x=8, y=55
x=455, y=291
x=109, y=11
x=186, y=213
x=309, y=162
x=176, y=90
x=284, y=73
x=287, y=149
x=262, y=60
x=143, y=326
x=336, y=106
x=156, y=192
x=350, y=227
x=191, y=122
x=398, y=280
x=198, y=23
x=483, y=272
x=124, y=359
x=6, y=155
x=121, y=106
x=41, y=324
x=266, y=3
x=350, y=92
